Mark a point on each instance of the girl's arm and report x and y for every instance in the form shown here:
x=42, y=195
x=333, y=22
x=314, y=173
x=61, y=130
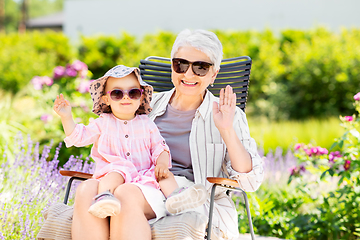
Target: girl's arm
x=162, y=166
x=63, y=109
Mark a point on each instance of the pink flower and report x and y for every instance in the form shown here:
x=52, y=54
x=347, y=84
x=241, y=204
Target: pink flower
x=79, y=65
x=348, y=118
x=347, y=164
x=357, y=97
x=37, y=82
x=59, y=72
x=297, y=170
x=334, y=155
x=298, y=146
x=47, y=80
x=83, y=73
x=292, y=170
x=46, y=118
x=308, y=152
x=84, y=86
x=319, y=150
x=69, y=71
x=323, y=151
x=314, y=150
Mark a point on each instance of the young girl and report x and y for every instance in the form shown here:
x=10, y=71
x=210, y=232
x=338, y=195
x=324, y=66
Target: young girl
x=127, y=145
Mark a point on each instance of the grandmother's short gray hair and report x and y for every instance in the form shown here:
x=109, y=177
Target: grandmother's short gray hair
x=203, y=40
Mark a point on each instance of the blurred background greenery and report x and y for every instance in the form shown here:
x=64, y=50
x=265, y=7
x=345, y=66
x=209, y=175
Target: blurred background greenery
x=301, y=81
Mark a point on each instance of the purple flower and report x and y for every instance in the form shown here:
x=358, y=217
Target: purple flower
x=46, y=118
x=357, y=97
x=59, y=72
x=84, y=86
x=334, y=155
x=79, y=66
x=69, y=71
x=41, y=186
x=348, y=118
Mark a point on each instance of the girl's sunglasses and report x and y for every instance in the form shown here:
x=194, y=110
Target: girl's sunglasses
x=199, y=68
x=134, y=94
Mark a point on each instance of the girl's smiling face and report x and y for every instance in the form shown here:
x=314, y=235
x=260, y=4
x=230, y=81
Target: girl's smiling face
x=125, y=108
x=188, y=83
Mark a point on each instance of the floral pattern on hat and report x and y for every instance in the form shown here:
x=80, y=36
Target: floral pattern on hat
x=120, y=71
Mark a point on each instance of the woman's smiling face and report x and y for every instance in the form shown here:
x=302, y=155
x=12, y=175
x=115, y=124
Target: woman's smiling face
x=188, y=83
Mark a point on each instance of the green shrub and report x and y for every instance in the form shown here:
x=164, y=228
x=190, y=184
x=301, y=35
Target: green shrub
x=101, y=53
x=295, y=74
x=23, y=56
x=159, y=44
x=320, y=74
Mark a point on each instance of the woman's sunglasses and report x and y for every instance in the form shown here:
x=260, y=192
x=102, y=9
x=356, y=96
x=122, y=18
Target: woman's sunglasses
x=199, y=68
x=134, y=94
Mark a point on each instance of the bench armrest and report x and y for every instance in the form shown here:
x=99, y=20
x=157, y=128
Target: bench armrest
x=67, y=173
x=223, y=181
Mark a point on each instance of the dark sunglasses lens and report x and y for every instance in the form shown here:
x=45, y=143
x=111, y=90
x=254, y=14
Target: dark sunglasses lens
x=135, y=94
x=180, y=66
x=116, y=94
x=201, y=68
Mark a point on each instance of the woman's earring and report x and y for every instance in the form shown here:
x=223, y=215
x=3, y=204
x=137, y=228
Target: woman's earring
x=212, y=84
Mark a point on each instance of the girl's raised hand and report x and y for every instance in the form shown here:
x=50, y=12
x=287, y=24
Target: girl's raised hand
x=224, y=111
x=62, y=107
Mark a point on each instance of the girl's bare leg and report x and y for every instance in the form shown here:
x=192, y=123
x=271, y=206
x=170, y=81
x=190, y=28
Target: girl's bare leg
x=168, y=185
x=132, y=222
x=85, y=225
x=110, y=182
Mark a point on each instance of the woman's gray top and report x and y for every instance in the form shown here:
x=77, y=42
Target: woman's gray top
x=175, y=126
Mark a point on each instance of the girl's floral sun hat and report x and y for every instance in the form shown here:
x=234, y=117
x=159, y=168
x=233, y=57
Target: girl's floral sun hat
x=97, y=88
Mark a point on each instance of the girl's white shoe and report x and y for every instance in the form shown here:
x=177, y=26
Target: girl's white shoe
x=105, y=205
x=186, y=198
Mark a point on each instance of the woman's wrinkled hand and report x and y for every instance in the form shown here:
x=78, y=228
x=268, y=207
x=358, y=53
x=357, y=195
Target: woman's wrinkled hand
x=224, y=111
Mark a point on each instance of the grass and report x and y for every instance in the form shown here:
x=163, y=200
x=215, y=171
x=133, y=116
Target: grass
x=284, y=134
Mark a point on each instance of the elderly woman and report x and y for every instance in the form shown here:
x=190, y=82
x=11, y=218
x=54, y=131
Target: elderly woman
x=207, y=136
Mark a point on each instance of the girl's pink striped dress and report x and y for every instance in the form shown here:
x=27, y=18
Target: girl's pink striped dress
x=130, y=147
